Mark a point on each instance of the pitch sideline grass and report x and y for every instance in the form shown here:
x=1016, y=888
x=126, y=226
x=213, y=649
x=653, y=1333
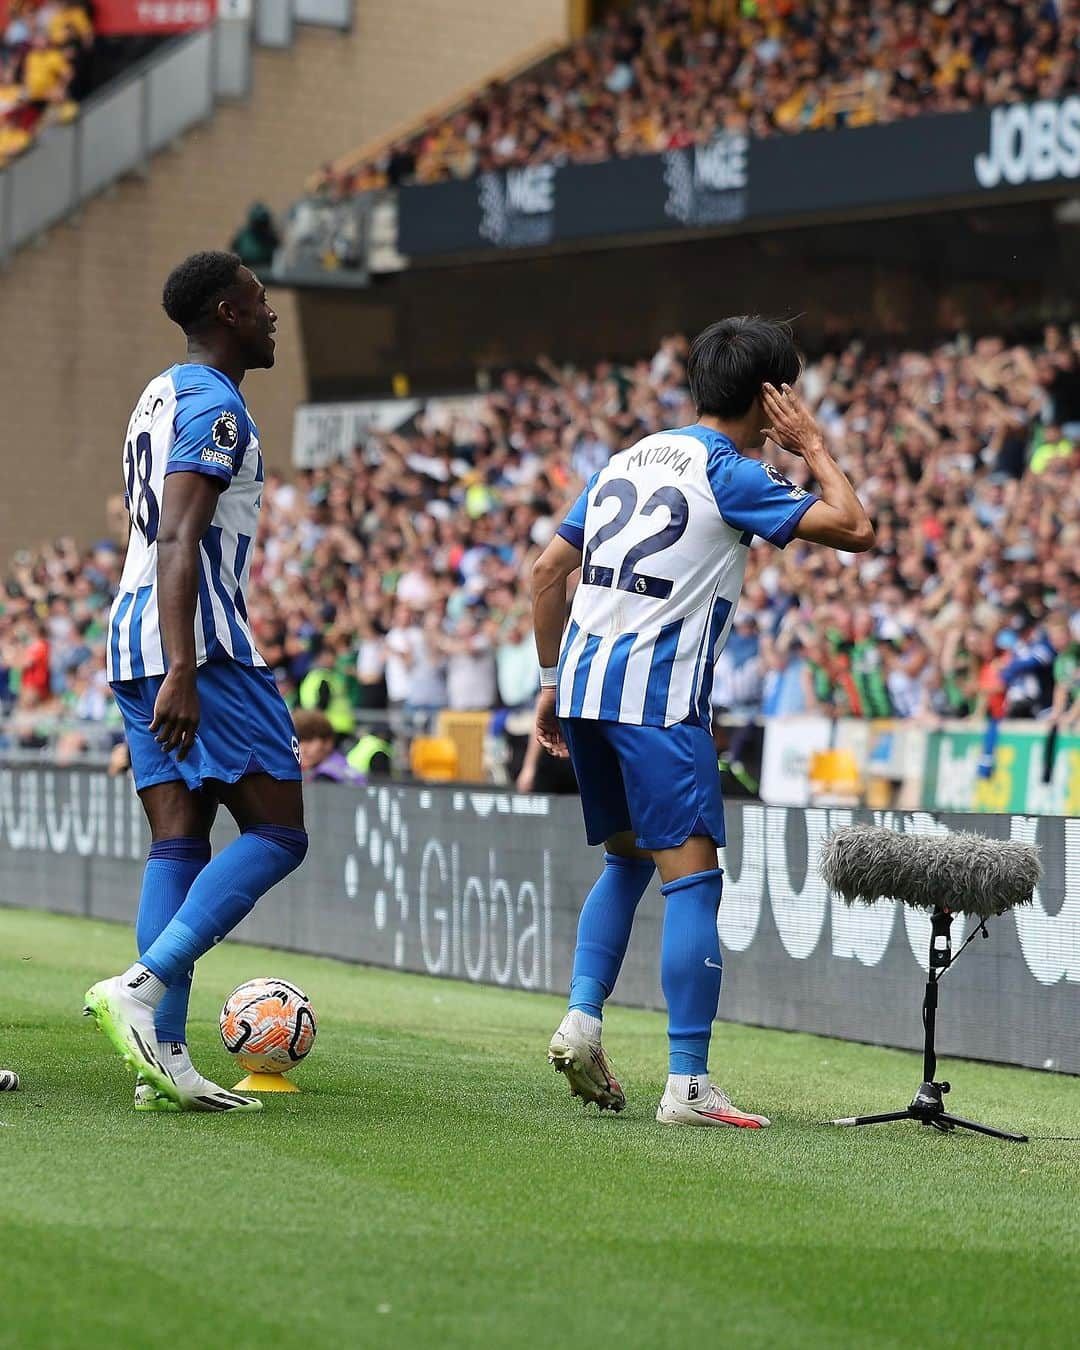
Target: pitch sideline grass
x=433, y=1185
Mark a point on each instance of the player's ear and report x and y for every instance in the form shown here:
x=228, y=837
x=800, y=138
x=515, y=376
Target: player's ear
x=758, y=418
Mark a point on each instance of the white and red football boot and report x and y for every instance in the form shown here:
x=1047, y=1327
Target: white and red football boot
x=706, y=1104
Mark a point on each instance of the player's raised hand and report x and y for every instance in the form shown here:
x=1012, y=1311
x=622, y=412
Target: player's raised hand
x=176, y=713
x=548, y=731
x=791, y=423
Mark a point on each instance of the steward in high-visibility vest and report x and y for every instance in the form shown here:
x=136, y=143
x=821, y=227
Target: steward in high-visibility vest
x=371, y=755
x=325, y=690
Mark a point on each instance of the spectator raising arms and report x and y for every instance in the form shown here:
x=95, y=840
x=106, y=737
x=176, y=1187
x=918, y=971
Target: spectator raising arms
x=395, y=576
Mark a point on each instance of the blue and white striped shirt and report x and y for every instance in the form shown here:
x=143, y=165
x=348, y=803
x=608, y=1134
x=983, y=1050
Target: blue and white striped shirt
x=191, y=419
x=664, y=530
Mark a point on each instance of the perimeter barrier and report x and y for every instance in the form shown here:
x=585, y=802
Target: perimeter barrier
x=486, y=886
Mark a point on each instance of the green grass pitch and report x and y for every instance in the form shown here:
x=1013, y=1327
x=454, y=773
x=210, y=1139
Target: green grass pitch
x=433, y=1184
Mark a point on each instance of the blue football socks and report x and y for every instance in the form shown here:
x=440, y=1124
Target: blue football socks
x=691, y=967
x=604, y=931
x=223, y=893
x=171, y=868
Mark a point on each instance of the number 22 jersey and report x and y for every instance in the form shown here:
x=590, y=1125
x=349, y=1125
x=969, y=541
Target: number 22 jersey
x=191, y=419
x=664, y=530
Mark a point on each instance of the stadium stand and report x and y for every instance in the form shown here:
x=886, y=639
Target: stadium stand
x=45, y=54
x=314, y=96
x=395, y=578
x=51, y=59
x=663, y=76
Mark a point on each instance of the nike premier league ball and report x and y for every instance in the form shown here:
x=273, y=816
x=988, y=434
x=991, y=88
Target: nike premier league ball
x=269, y=1025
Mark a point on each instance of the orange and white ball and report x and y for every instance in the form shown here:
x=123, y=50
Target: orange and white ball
x=269, y=1025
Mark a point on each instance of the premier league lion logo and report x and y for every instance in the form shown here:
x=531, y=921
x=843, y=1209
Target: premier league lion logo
x=778, y=478
x=775, y=474
x=225, y=433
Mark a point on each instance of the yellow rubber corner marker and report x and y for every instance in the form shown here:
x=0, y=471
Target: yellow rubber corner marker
x=266, y=1082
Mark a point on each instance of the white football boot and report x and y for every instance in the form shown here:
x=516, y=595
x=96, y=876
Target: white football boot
x=129, y=1026
x=581, y=1059
x=196, y=1092
x=148, y=1098
x=712, y=1107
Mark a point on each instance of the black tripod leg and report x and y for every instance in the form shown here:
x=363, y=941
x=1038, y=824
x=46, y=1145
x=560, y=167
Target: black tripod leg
x=983, y=1129
x=872, y=1120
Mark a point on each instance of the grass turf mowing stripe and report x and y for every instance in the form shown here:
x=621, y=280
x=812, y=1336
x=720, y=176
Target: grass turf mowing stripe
x=433, y=1184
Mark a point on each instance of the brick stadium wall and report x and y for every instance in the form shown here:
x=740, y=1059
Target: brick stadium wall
x=81, y=328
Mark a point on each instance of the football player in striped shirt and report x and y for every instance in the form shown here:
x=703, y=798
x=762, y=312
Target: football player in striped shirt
x=204, y=721
x=661, y=535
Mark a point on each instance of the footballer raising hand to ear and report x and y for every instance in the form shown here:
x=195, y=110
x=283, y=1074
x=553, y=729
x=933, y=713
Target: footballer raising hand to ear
x=838, y=519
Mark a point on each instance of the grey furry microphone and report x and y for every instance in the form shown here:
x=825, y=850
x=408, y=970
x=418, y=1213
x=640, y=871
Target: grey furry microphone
x=963, y=873
x=947, y=874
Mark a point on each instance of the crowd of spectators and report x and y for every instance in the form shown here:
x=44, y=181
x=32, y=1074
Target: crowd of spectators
x=53, y=623
x=967, y=456
x=45, y=53
x=672, y=74
x=969, y=603
x=396, y=580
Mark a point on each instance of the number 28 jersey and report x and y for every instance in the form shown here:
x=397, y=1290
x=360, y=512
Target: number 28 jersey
x=664, y=530
x=191, y=419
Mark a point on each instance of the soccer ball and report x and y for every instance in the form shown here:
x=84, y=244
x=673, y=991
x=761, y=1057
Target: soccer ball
x=269, y=1025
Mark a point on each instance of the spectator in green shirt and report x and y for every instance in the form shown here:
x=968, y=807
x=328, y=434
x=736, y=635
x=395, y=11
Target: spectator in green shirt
x=869, y=669
x=1050, y=445
x=257, y=239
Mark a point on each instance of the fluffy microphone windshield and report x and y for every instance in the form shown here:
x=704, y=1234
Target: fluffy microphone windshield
x=963, y=873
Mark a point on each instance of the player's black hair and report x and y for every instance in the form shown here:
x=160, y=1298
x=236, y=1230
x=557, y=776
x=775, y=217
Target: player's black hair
x=195, y=286
x=730, y=360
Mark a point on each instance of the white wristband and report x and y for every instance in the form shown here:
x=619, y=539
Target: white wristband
x=549, y=677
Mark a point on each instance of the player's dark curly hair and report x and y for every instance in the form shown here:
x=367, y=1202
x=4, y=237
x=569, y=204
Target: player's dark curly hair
x=196, y=285
x=730, y=361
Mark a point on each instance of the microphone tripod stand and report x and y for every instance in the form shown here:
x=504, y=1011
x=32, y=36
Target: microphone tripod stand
x=927, y=1105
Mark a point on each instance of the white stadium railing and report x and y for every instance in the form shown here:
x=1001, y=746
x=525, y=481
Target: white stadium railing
x=327, y=13
x=274, y=19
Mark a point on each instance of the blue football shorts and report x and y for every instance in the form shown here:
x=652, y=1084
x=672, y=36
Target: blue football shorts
x=244, y=728
x=663, y=783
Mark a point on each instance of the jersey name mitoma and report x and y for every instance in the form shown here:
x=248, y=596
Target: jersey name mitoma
x=191, y=419
x=664, y=529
